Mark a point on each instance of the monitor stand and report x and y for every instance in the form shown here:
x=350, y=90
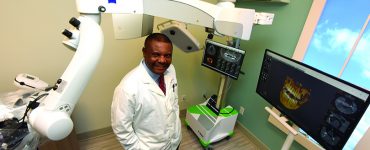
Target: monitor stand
x=364, y=141
x=292, y=130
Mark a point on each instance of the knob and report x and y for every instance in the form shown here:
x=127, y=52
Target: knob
x=67, y=33
x=75, y=22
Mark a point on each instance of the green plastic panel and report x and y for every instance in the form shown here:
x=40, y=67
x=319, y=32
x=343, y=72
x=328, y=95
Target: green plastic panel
x=225, y=112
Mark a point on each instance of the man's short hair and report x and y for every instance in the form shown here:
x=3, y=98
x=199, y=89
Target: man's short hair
x=156, y=37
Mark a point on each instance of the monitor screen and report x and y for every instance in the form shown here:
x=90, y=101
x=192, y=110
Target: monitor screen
x=325, y=107
x=224, y=59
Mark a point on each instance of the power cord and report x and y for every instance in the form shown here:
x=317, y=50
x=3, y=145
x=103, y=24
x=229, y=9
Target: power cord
x=32, y=105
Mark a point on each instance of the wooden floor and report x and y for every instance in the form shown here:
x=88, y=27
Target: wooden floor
x=238, y=141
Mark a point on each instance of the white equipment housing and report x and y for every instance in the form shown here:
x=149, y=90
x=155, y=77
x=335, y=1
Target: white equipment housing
x=234, y=22
x=179, y=35
x=52, y=117
x=208, y=126
x=27, y=81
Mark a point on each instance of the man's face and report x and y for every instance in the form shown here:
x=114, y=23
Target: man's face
x=158, y=56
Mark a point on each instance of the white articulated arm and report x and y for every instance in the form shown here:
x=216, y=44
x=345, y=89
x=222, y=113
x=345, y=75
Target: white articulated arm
x=52, y=117
x=234, y=22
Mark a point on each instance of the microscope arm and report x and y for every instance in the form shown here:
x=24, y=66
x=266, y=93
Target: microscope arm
x=229, y=21
x=234, y=22
x=52, y=117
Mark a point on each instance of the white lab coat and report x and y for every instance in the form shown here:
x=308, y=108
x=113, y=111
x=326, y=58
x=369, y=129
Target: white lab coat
x=143, y=117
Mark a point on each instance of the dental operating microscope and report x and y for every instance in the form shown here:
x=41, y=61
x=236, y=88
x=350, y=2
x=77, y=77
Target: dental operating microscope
x=131, y=19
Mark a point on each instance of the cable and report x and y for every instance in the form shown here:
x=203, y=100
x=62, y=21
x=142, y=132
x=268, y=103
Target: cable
x=32, y=105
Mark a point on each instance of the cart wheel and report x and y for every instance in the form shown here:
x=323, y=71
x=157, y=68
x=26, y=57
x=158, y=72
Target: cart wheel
x=209, y=147
x=228, y=137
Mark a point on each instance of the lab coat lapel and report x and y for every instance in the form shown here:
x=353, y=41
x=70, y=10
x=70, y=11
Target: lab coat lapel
x=155, y=88
x=152, y=85
x=169, y=82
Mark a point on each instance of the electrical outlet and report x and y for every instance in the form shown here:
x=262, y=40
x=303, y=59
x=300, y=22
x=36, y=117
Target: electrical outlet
x=241, y=110
x=205, y=95
x=183, y=97
x=263, y=18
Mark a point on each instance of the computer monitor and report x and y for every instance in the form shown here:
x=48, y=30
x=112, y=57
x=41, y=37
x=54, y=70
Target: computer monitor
x=222, y=58
x=325, y=107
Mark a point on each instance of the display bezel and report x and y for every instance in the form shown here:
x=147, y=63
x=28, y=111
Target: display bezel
x=338, y=83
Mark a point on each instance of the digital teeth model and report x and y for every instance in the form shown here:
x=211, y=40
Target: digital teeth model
x=293, y=95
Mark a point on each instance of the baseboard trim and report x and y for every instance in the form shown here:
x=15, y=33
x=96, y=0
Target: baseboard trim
x=252, y=137
x=94, y=133
x=107, y=130
x=183, y=113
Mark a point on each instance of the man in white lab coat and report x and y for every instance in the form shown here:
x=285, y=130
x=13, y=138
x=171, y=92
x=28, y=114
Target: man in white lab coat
x=145, y=115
